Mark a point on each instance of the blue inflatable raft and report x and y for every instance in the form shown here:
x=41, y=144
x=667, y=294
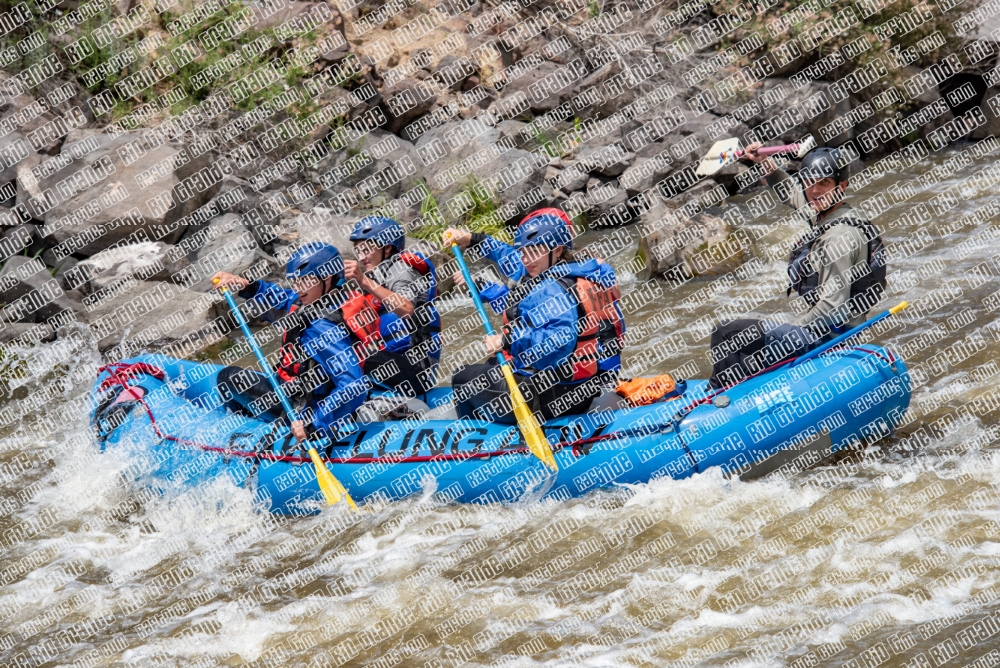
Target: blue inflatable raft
x=166, y=415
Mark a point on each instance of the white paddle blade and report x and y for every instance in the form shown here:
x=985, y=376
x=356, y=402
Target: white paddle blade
x=806, y=145
x=722, y=153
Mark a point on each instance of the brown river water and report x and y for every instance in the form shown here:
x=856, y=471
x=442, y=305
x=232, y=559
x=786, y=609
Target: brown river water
x=889, y=556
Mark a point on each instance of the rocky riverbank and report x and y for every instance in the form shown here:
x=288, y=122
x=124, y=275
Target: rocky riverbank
x=122, y=197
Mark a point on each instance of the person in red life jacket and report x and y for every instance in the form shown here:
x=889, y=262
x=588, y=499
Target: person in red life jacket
x=322, y=354
x=400, y=286
x=837, y=267
x=563, y=330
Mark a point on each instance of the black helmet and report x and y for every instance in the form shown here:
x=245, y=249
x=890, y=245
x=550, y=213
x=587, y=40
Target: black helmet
x=824, y=163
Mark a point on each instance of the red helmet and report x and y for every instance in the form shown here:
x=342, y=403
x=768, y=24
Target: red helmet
x=552, y=211
x=544, y=227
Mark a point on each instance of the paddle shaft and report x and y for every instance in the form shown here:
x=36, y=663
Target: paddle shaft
x=476, y=299
x=771, y=150
x=333, y=490
x=848, y=334
x=265, y=367
x=532, y=432
x=768, y=150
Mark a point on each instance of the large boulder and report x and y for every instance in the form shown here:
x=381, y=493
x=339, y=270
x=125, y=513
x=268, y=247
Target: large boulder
x=608, y=80
x=607, y=161
x=405, y=102
x=64, y=272
x=29, y=292
x=323, y=225
x=149, y=260
x=540, y=100
x=700, y=245
x=567, y=176
x=379, y=166
x=12, y=216
x=452, y=72
x=26, y=333
x=152, y=314
x=604, y=203
x=237, y=196
x=20, y=106
x=771, y=100
x=469, y=156
x=24, y=239
x=121, y=188
x=992, y=125
x=652, y=163
x=228, y=245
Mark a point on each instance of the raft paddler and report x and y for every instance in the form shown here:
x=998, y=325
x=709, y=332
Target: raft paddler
x=837, y=267
x=321, y=361
x=400, y=286
x=563, y=330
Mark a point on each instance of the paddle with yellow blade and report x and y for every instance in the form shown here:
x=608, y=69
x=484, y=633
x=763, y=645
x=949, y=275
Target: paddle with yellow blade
x=332, y=489
x=526, y=422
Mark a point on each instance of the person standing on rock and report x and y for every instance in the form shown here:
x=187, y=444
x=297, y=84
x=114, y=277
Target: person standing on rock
x=400, y=286
x=321, y=362
x=837, y=267
x=563, y=329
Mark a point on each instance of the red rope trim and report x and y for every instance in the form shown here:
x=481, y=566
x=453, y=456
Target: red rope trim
x=122, y=372
x=133, y=370
x=888, y=361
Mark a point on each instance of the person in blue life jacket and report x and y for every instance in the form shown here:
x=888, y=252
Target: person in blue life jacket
x=563, y=330
x=837, y=267
x=400, y=286
x=326, y=333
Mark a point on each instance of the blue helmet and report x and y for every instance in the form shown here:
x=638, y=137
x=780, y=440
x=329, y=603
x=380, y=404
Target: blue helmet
x=545, y=227
x=315, y=259
x=384, y=231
